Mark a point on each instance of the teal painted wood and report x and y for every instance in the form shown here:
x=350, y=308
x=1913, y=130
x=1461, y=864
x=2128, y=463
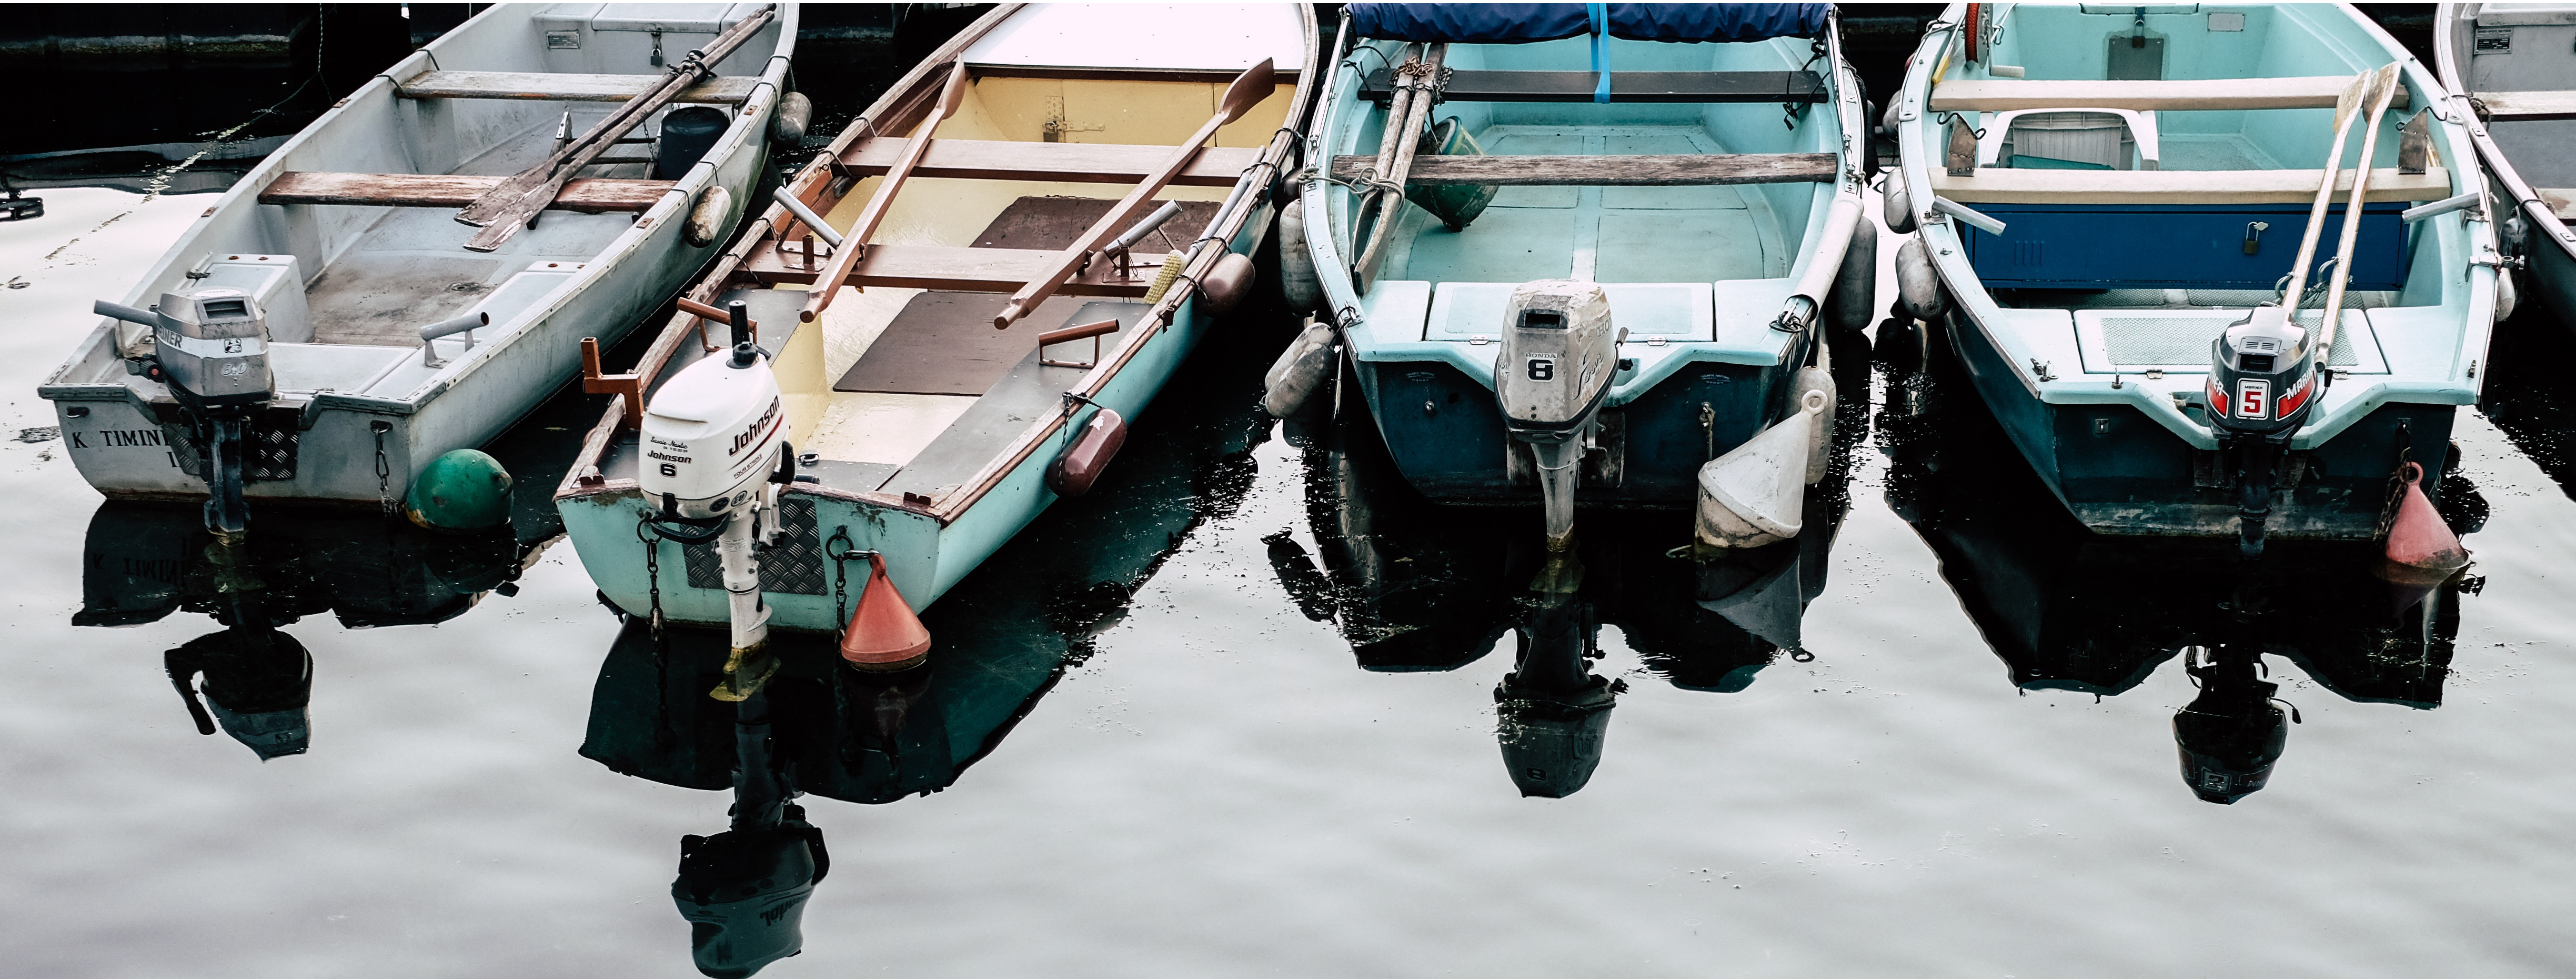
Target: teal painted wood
x=1695, y=274
x=2119, y=447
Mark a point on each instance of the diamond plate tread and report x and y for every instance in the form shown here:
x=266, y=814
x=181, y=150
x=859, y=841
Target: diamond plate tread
x=794, y=567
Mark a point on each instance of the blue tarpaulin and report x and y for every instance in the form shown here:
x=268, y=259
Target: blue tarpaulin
x=1518, y=23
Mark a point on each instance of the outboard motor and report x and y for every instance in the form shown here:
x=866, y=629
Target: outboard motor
x=211, y=350
x=1552, y=714
x=715, y=452
x=2231, y=735
x=743, y=891
x=2262, y=384
x=258, y=686
x=1556, y=365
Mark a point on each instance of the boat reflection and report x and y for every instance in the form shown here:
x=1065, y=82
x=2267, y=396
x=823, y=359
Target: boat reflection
x=2528, y=397
x=252, y=681
x=2066, y=609
x=1001, y=639
x=1416, y=587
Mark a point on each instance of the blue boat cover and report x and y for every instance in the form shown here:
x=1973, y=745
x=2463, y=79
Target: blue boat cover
x=1519, y=23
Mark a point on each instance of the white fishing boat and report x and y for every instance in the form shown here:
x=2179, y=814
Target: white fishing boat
x=2512, y=66
x=867, y=418
x=334, y=321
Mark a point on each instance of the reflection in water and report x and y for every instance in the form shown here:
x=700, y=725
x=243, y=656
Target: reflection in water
x=2070, y=610
x=1002, y=639
x=2529, y=395
x=1417, y=587
x=142, y=563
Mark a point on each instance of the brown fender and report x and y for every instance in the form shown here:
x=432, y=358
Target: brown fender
x=1079, y=466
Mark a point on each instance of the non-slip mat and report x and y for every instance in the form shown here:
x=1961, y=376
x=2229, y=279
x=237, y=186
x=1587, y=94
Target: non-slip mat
x=945, y=343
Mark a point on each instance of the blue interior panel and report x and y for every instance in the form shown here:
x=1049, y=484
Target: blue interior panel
x=2113, y=246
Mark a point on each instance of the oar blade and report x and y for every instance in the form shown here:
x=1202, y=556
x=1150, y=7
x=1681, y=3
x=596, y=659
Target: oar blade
x=1255, y=84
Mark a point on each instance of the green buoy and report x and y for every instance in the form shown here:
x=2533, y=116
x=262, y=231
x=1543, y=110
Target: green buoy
x=462, y=490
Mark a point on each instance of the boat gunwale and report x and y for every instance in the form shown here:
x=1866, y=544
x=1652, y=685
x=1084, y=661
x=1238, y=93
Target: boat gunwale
x=2447, y=68
x=824, y=183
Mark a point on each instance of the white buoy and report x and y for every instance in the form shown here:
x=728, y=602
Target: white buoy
x=1298, y=282
x=1753, y=495
x=1304, y=366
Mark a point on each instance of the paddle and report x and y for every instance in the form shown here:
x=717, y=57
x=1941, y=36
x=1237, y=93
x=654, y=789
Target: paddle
x=854, y=245
x=2350, y=99
x=1403, y=136
x=1399, y=105
x=2383, y=89
x=1255, y=84
x=515, y=202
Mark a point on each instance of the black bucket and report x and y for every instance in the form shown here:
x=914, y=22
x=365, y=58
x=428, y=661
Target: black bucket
x=687, y=134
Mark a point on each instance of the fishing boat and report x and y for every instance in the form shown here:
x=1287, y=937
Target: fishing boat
x=2144, y=264
x=2524, y=98
x=1584, y=253
x=417, y=269
x=837, y=386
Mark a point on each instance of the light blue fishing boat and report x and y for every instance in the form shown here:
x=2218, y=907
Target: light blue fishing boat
x=2121, y=211
x=1575, y=253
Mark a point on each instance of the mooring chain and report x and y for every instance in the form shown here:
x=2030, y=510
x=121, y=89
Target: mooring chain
x=652, y=569
x=384, y=469
x=841, y=576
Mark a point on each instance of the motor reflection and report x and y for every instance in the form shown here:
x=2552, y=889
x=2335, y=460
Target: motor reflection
x=251, y=680
x=2066, y=609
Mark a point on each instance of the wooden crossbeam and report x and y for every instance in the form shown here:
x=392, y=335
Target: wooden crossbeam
x=2561, y=201
x=554, y=87
x=1997, y=186
x=1086, y=163
x=1625, y=86
x=1687, y=169
x=944, y=268
x=2185, y=95
x=2528, y=106
x=592, y=195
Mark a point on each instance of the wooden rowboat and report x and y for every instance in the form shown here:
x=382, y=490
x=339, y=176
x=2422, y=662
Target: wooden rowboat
x=2505, y=65
x=984, y=186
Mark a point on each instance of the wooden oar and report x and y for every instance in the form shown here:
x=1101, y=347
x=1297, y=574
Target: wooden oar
x=506, y=208
x=1255, y=84
x=854, y=245
x=1373, y=205
x=2383, y=89
x=1404, y=135
x=2352, y=97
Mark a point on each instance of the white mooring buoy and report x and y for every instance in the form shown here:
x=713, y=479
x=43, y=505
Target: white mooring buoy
x=1753, y=495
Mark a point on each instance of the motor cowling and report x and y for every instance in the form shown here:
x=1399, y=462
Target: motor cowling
x=1558, y=358
x=712, y=435
x=2262, y=375
x=212, y=345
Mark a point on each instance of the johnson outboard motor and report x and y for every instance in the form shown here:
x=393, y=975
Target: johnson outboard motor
x=1556, y=365
x=1551, y=713
x=210, y=348
x=2262, y=384
x=715, y=453
x=2232, y=734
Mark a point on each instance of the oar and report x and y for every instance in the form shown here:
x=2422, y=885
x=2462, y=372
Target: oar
x=2351, y=99
x=508, y=207
x=1399, y=104
x=854, y=245
x=1404, y=136
x=2383, y=89
x=1255, y=84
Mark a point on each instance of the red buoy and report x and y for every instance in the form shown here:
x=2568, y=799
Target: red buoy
x=2421, y=549
x=883, y=635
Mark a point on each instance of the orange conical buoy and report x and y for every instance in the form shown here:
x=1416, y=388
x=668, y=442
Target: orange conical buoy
x=883, y=635
x=2421, y=549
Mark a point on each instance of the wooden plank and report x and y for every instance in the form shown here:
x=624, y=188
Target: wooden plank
x=2561, y=201
x=1085, y=163
x=591, y=195
x=551, y=87
x=2197, y=94
x=1625, y=86
x=2527, y=106
x=1997, y=186
x=1688, y=169
x=947, y=269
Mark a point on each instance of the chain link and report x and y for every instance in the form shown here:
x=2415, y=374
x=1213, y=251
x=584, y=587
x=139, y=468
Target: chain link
x=384, y=469
x=652, y=570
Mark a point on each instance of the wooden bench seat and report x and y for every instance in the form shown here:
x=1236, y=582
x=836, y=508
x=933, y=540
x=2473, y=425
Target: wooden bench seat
x=2561, y=201
x=1625, y=86
x=1996, y=186
x=2187, y=95
x=1683, y=169
x=942, y=268
x=593, y=195
x=1090, y=163
x=556, y=87
x=2528, y=106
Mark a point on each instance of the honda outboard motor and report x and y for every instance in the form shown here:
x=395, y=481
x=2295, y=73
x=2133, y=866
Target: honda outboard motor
x=210, y=348
x=1552, y=714
x=715, y=450
x=2231, y=735
x=1556, y=365
x=2262, y=383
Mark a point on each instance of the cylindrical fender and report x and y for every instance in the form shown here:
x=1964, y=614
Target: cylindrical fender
x=1297, y=280
x=709, y=220
x=1856, y=285
x=1300, y=370
x=1226, y=283
x=795, y=113
x=1080, y=464
x=1917, y=284
x=1899, y=207
x=2507, y=294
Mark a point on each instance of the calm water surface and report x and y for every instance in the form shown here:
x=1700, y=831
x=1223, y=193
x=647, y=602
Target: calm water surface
x=1236, y=714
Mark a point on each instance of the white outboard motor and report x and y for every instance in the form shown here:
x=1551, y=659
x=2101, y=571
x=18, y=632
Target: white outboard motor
x=211, y=350
x=1555, y=368
x=715, y=451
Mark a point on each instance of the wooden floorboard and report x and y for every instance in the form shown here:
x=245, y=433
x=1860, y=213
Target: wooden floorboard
x=1096, y=163
x=595, y=194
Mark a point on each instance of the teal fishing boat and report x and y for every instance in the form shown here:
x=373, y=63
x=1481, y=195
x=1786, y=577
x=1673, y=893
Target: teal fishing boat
x=1574, y=254
x=2133, y=232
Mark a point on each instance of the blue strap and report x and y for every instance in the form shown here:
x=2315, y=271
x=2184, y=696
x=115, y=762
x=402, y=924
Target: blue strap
x=1600, y=49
